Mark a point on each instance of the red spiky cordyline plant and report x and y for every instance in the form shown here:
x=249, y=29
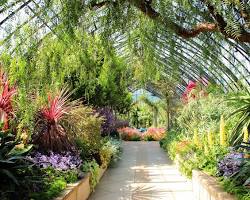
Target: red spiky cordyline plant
x=50, y=134
x=6, y=95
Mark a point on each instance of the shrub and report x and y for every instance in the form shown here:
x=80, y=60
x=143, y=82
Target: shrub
x=84, y=126
x=154, y=134
x=109, y=122
x=110, y=152
x=121, y=123
x=50, y=134
x=129, y=134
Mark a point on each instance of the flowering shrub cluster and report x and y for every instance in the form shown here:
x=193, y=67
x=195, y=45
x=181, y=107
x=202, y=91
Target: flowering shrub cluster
x=58, y=161
x=194, y=90
x=152, y=134
x=155, y=134
x=230, y=164
x=128, y=134
x=182, y=146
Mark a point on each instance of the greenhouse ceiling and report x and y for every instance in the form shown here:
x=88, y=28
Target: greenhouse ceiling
x=198, y=38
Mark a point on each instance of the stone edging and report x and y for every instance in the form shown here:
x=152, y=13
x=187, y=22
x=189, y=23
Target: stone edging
x=206, y=187
x=79, y=190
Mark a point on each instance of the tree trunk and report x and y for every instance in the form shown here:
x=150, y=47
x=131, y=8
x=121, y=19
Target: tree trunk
x=168, y=114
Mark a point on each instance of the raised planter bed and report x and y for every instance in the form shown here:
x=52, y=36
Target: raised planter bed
x=79, y=190
x=206, y=187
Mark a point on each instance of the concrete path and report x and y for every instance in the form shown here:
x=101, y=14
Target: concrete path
x=143, y=173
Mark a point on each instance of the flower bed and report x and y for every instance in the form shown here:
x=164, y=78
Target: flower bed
x=133, y=134
x=204, y=139
x=64, y=146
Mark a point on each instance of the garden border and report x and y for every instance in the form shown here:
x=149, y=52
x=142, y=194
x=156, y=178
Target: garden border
x=81, y=189
x=206, y=187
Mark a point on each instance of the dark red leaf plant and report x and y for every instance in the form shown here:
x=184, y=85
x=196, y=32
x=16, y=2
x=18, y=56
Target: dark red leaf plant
x=50, y=134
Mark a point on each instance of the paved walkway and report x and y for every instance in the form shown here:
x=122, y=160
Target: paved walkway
x=143, y=173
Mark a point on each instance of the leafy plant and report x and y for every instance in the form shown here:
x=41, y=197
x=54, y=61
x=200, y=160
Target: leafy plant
x=56, y=187
x=108, y=125
x=243, y=112
x=230, y=164
x=50, y=134
x=13, y=164
x=110, y=152
x=84, y=126
x=94, y=170
x=7, y=93
x=241, y=192
x=52, y=182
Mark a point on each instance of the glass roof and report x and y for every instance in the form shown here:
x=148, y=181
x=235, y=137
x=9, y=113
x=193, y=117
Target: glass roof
x=220, y=60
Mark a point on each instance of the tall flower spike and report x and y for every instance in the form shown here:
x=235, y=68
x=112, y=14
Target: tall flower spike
x=223, y=136
x=245, y=134
x=196, y=139
x=210, y=138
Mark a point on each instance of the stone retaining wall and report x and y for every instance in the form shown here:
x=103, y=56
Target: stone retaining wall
x=80, y=190
x=206, y=187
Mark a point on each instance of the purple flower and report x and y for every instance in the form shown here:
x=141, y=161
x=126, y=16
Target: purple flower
x=63, y=161
x=110, y=123
x=230, y=164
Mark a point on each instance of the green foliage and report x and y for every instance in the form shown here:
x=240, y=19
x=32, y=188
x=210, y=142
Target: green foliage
x=149, y=138
x=195, y=143
x=13, y=164
x=57, y=186
x=70, y=176
x=189, y=156
x=204, y=115
x=94, y=170
x=243, y=176
x=98, y=76
x=243, y=112
x=135, y=138
x=241, y=192
x=53, y=182
x=110, y=152
x=85, y=127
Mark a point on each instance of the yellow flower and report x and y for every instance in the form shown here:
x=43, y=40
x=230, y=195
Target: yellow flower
x=223, y=136
x=19, y=146
x=24, y=136
x=206, y=151
x=246, y=134
x=196, y=139
x=210, y=138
